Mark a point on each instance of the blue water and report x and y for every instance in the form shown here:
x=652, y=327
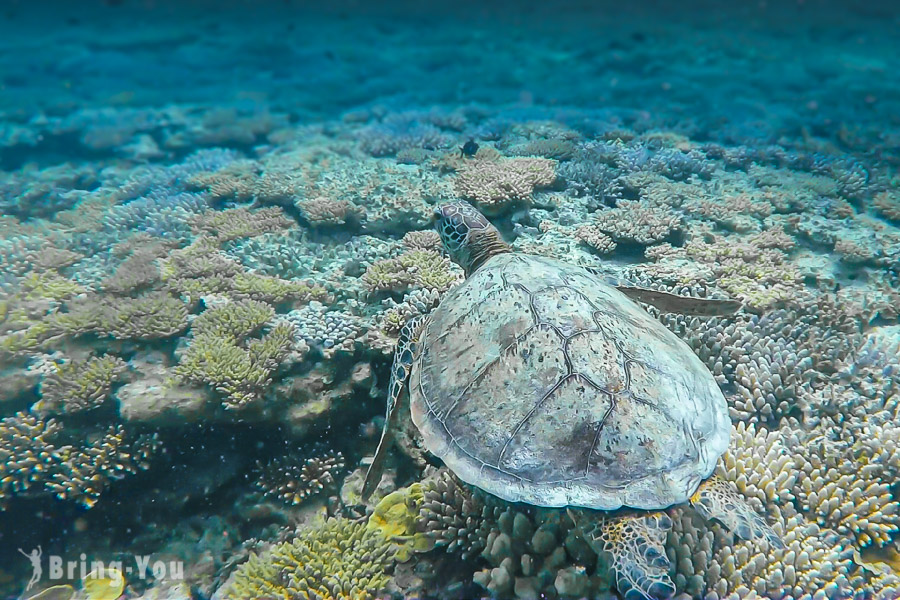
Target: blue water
x=217, y=216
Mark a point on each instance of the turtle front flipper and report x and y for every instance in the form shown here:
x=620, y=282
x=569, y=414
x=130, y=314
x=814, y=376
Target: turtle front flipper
x=717, y=499
x=397, y=400
x=684, y=305
x=636, y=543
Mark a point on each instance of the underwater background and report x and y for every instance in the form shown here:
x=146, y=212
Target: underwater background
x=217, y=216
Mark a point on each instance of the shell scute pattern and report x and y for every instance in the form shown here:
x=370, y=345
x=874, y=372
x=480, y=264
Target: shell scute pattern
x=539, y=383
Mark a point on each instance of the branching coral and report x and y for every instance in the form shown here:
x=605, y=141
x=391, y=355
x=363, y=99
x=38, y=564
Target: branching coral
x=200, y=269
x=329, y=331
x=528, y=553
x=757, y=274
x=329, y=561
x=887, y=204
x=79, y=384
x=33, y=460
x=493, y=185
x=86, y=472
x=595, y=238
x=223, y=355
x=294, y=480
x=415, y=303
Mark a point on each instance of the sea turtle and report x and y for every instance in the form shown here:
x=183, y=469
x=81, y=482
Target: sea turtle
x=538, y=382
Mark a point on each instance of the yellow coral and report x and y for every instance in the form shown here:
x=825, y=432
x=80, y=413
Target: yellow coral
x=424, y=269
x=334, y=560
x=79, y=384
x=221, y=356
x=396, y=517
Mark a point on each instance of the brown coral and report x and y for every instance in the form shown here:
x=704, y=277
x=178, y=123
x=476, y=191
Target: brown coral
x=495, y=185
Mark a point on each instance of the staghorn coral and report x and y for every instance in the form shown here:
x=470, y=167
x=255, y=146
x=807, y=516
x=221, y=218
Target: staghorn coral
x=335, y=559
x=493, y=185
x=293, y=480
x=86, y=472
x=223, y=356
x=79, y=385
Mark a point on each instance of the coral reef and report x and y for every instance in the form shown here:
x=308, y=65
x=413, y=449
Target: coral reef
x=422, y=269
x=221, y=272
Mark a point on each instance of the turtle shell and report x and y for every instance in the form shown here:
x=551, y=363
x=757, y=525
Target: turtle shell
x=539, y=383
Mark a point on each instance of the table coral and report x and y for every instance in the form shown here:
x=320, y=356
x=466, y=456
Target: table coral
x=323, y=211
x=241, y=222
x=494, y=185
x=637, y=223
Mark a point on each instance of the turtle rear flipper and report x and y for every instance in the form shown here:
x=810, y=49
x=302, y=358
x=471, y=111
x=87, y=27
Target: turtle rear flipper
x=717, y=499
x=397, y=400
x=636, y=543
x=684, y=305
x=668, y=302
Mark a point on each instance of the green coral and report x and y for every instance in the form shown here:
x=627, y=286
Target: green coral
x=200, y=269
x=424, y=269
x=222, y=356
x=335, y=559
x=242, y=222
x=154, y=315
x=79, y=384
x=49, y=285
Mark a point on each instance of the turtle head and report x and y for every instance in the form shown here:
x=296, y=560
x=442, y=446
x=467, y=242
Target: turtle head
x=468, y=236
